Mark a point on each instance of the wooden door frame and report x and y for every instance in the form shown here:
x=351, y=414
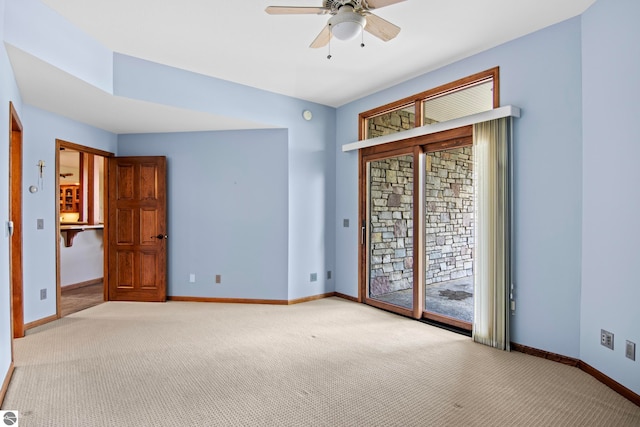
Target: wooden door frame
x=15, y=215
x=89, y=150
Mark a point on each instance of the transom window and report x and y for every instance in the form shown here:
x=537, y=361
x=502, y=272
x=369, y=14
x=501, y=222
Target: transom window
x=470, y=95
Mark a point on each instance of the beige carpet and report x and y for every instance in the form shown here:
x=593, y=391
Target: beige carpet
x=324, y=363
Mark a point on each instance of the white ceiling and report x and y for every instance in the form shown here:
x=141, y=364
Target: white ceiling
x=239, y=42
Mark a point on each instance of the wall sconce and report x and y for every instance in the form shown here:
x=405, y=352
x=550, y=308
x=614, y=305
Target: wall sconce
x=40, y=165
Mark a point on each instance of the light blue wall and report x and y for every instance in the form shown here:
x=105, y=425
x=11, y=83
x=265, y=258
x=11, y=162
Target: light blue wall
x=8, y=92
x=539, y=73
x=308, y=159
x=42, y=32
x=611, y=199
x=227, y=210
x=311, y=168
x=41, y=129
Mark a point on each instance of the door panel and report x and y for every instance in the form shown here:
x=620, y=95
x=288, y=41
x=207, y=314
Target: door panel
x=124, y=231
x=449, y=240
x=390, y=232
x=124, y=265
x=137, y=227
x=148, y=226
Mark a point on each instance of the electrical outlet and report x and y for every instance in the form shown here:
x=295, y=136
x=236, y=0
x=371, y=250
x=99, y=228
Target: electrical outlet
x=329, y=275
x=218, y=278
x=40, y=224
x=345, y=223
x=606, y=338
x=43, y=294
x=314, y=277
x=630, y=350
x=192, y=278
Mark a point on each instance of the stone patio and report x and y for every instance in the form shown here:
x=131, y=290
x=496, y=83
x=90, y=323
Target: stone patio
x=453, y=298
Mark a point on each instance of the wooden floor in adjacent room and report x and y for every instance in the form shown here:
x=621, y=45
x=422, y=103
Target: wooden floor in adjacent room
x=74, y=300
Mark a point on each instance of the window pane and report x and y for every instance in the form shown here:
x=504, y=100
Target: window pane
x=449, y=200
x=464, y=102
x=392, y=122
x=391, y=228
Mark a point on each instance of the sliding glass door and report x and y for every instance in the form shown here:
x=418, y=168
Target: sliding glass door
x=417, y=219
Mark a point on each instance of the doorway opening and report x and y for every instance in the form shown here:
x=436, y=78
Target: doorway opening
x=81, y=183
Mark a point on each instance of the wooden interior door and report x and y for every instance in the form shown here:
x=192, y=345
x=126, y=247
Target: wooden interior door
x=137, y=229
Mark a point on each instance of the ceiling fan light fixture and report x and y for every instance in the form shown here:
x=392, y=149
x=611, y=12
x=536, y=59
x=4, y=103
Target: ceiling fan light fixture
x=347, y=24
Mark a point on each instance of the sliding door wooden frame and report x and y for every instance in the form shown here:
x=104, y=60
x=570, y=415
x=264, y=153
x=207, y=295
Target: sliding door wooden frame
x=432, y=148
x=365, y=232
x=419, y=254
x=417, y=147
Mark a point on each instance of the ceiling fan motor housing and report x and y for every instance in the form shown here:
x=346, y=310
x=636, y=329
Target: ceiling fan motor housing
x=347, y=24
x=335, y=5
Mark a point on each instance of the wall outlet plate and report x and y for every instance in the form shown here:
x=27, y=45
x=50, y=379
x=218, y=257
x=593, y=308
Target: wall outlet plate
x=630, y=350
x=218, y=278
x=606, y=338
x=313, y=277
x=192, y=278
x=43, y=294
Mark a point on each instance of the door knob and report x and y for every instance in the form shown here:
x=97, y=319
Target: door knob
x=160, y=236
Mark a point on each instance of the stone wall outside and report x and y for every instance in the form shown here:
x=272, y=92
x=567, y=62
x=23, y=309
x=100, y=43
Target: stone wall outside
x=449, y=215
x=391, y=219
x=449, y=220
x=393, y=122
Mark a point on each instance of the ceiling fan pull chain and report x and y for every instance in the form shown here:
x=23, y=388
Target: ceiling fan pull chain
x=329, y=44
x=362, y=34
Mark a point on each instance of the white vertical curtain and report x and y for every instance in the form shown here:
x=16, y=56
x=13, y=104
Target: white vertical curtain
x=492, y=273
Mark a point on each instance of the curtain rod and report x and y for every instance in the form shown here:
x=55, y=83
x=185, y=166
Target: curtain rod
x=485, y=116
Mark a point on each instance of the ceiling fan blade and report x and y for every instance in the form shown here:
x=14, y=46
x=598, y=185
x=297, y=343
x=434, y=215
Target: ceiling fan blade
x=296, y=10
x=322, y=39
x=382, y=29
x=377, y=4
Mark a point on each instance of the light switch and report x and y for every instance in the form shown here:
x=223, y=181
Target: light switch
x=40, y=224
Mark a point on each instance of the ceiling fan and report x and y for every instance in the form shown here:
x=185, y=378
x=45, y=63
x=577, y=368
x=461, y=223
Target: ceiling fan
x=349, y=18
